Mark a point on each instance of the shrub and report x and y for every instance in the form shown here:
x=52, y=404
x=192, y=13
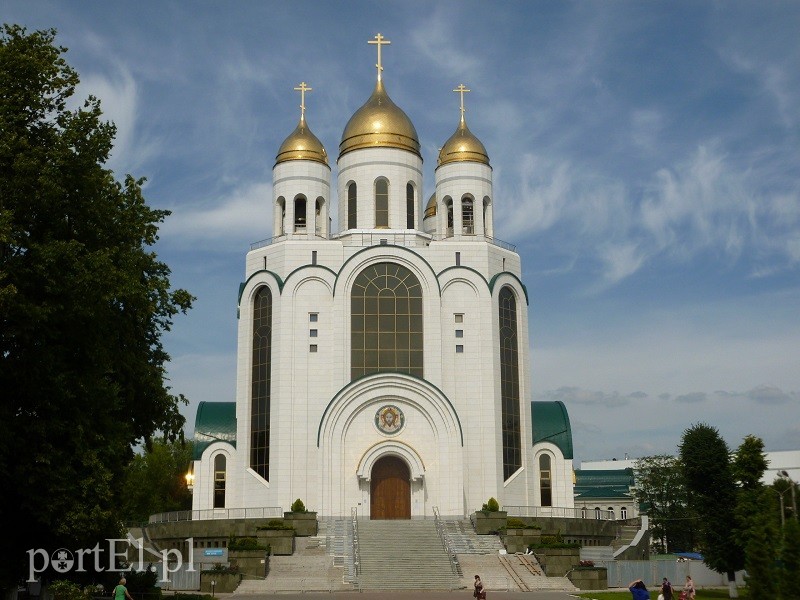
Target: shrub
x=275, y=524
x=244, y=543
x=67, y=590
x=491, y=506
x=298, y=506
x=515, y=523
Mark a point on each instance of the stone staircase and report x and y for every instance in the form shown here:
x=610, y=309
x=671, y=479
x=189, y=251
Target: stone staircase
x=462, y=538
x=403, y=555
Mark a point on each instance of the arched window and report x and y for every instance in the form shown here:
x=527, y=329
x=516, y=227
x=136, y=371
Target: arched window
x=352, y=206
x=486, y=205
x=467, y=216
x=386, y=321
x=261, y=376
x=219, y=481
x=611, y=512
x=448, y=202
x=623, y=513
x=597, y=512
x=282, y=222
x=381, y=204
x=410, y=202
x=318, y=214
x=583, y=512
x=545, y=481
x=509, y=383
x=299, y=213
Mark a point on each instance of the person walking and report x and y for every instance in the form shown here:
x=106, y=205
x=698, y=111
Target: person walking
x=666, y=590
x=121, y=592
x=480, y=591
x=688, y=589
x=638, y=590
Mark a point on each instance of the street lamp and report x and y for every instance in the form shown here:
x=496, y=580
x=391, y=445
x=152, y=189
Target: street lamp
x=189, y=480
x=783, y=516
x=792, y=483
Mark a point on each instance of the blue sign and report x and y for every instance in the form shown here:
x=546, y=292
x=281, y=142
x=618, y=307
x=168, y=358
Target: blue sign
x=214, y=552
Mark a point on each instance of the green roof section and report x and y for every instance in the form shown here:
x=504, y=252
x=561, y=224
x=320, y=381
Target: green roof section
x=603, y=483
x=550, y=423
x=215, y=422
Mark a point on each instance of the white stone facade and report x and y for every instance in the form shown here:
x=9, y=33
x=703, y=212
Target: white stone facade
x=324, y=435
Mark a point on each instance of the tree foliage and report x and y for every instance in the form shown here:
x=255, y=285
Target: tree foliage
x=661, y=491
x=83, y=302
x=155, y=480
x=790, y=561
x=708, y=476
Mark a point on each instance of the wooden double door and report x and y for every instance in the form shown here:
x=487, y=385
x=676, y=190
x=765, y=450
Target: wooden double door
x=390, y=489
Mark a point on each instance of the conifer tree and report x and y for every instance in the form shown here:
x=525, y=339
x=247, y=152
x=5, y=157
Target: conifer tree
x=790, y=561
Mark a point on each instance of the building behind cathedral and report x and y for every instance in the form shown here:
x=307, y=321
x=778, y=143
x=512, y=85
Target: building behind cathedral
x=385, y=365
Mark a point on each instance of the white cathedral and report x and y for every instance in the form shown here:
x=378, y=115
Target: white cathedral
x=386, y=365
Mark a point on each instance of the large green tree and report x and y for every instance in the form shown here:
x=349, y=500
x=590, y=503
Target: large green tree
x=661, y=491
x=84, y=302
x=155, y=480
x=790, y=561
x=709, y=479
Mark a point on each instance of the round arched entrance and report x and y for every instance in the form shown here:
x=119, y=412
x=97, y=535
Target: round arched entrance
x=390, y=489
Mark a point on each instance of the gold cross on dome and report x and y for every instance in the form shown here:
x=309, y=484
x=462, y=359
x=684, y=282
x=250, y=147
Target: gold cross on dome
x=461, y=89
x=303, y=88
x=379, y=41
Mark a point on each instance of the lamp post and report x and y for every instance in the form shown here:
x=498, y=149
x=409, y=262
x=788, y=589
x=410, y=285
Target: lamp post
x=783, y=516
x=189, y=480
x=792, y=484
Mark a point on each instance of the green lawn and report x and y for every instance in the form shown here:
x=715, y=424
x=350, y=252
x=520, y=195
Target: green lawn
x=701, y=594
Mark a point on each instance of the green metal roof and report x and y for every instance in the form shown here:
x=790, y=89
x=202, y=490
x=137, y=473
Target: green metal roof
x=215, y=422
x=550, y=423
x=598, y=477
x=602, y=492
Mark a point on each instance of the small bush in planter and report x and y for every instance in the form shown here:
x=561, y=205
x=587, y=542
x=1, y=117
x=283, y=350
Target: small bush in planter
x=514, y=523
x=275, y=524
x=491, y=506
x=298, y=506
x=236, y=544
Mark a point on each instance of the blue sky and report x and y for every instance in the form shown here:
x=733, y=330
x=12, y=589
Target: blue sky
x=646, y=162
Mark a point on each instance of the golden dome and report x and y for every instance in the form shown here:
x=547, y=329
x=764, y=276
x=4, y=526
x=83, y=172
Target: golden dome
x=430, y=208
x=463, y=146
x=380, y=123
x=302, y=145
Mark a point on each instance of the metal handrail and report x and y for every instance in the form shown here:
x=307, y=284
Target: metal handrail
x=262, y=512
x=356, y=551
x=373, y=237
x=558, y=512
x=454, y=566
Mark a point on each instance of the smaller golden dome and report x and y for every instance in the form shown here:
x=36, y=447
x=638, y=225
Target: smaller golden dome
x=430, y=208
x=379, y=123
x=302, y=145
x=463, y=146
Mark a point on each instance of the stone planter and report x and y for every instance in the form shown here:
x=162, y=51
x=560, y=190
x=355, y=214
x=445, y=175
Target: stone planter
x=224, y=583
x=249, y=562
x=280, y=541
x=486, y=523
x=518, y=540
x=304, y=523
x=589, y=578
x=556, y=562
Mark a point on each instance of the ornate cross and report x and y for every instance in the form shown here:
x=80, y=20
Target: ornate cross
x=461, y=89
x=303, y=88
x=380, y=41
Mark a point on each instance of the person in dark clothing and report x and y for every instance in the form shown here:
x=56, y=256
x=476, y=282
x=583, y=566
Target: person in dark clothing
x=666, y=589
x=638, y=590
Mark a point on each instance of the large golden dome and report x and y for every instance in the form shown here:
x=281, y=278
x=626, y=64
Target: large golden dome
x=463, y=146
x=302, y=145
x=380, y=123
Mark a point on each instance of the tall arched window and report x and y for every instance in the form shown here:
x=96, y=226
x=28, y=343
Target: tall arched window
x=509, y=383
x=381, y=204
x=583, y=512
x=261, y=376
x=410, y=202
x=611, y=512
x=219, y=481
x=282, y=222
x=623, y=513
x=318, y=214
x=467, y=215
x=545, y=481
x=448, y=202
x=597, y=512
x=299, y=213
x=352, y=206
x=386, y=321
